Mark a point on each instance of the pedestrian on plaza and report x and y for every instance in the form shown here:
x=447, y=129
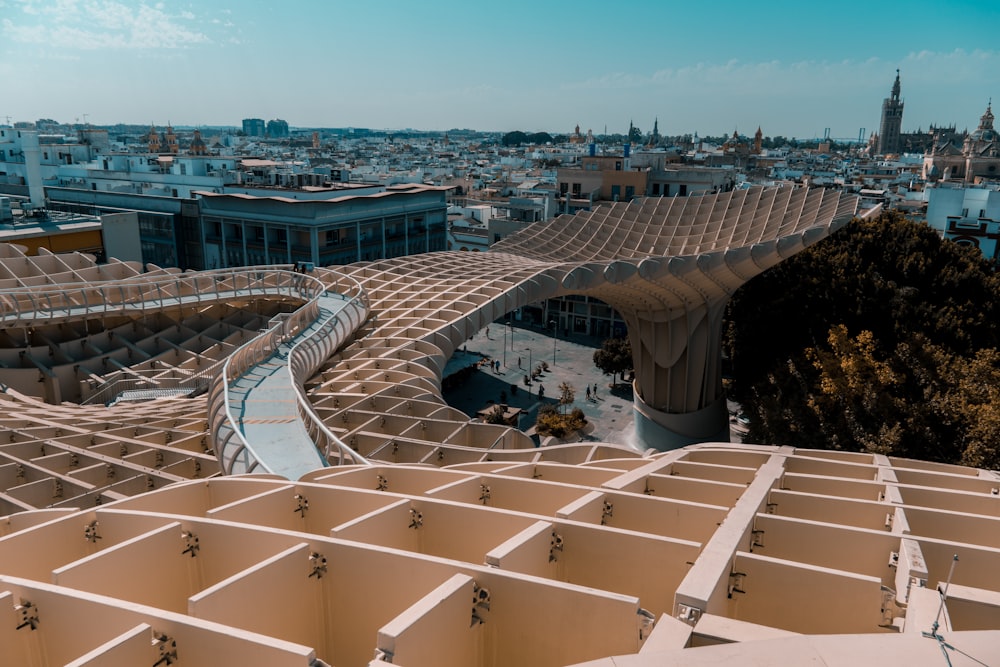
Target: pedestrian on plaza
x=487, y=332
x=519, y=362
x=588, y=392
x=595, y=391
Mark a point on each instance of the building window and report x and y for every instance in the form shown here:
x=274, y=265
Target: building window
x=563, y=188
x=629, y=191
x=656, y=189
x=618, y=165
x=616, y=192
x=684, y=190
x=577, y=189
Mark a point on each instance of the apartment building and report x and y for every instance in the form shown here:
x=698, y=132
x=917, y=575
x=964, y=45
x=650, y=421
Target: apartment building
x=324, y=227
x=967, y=215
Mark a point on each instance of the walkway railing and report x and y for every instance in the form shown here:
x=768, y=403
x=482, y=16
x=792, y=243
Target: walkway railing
x=303, y=360
x=235, y=453
x=26, y=306
x=153, y=292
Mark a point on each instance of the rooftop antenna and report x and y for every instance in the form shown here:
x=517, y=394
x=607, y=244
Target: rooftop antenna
x=933, y=634
x=944, y=596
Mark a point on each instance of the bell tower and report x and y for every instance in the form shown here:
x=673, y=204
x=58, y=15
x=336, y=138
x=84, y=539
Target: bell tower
x=154, y=140
x=892, y=122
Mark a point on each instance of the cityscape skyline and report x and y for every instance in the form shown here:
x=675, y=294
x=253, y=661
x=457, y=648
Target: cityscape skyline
x=793, y=70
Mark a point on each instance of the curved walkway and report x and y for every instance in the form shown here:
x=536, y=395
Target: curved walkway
x=261, y=397
x=265, y=403
x=258, y=417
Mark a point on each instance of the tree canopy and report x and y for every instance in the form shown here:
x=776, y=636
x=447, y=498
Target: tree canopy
x=516, y=138
x=566, y=394
x=881, y=338
x=614, y=357
x=634, y=134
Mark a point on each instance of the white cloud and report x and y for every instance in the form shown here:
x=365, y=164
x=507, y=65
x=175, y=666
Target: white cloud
x=100, y=24
x=922, y=66
x=797, y=97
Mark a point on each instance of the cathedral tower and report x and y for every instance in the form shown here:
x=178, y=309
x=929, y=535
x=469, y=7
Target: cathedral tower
x=154, y=140
x=892, y=122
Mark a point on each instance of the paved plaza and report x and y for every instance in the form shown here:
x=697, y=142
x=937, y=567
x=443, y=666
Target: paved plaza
x=609, y=415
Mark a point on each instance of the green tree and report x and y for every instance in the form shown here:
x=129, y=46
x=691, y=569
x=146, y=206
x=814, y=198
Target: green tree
x=634, y=134
x=515, y=138
x=496, y=415
x=972, y=399
x=614, y=357
x=881, y=338
x=539, y=138
x=551, y=422
x=566, y=394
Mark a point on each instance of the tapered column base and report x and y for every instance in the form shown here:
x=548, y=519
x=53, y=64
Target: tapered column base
x=665, y=431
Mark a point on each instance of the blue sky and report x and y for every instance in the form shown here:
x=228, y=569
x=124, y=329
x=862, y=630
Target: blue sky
x=793, y=68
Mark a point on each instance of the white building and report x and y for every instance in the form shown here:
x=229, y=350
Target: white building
x=967, y=215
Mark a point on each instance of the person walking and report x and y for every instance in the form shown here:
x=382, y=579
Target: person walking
x=588, y=392
x=595, y=391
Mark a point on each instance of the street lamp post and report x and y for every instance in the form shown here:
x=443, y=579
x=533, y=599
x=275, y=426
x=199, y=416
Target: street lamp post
x=511, y=325
x=505, y=346
x=555, y=337
x=528, y=350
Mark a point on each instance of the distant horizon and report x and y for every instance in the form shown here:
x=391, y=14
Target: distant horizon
x=308, y=128
x=790, y=68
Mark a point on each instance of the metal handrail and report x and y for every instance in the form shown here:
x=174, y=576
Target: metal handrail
x=118, y=386
x=30, y=303
x=306, y=413
x=248, y=355
x=260, y=348
x=27, y=305
x=264, y=280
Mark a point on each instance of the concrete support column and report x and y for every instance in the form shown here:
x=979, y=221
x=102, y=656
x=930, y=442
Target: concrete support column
x=664, y=431
x=678, y=376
